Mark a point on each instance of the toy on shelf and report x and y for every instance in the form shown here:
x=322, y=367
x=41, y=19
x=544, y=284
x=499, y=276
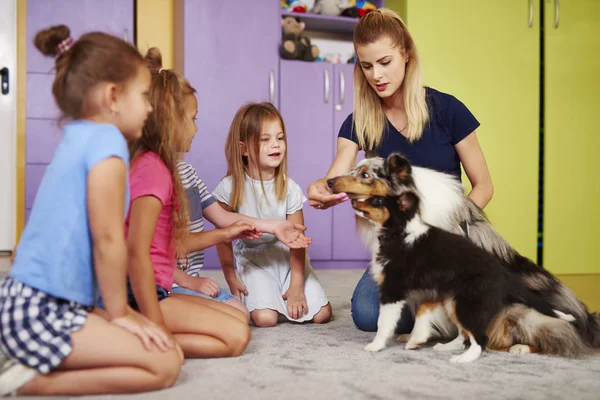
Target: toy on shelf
x=294, y=45
x=293, y=6
x=330, y=7
x=358, y=9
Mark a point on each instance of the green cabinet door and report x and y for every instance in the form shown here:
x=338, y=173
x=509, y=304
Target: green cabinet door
x=486, y=53
x=572, y=138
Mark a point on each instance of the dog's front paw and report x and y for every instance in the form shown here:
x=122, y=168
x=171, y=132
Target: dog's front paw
x=450, y=346
x=412, y=345
x=520, y=349
x=403, y=338
x=374, y=347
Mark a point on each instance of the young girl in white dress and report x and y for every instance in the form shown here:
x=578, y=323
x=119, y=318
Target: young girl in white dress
x=271, y=279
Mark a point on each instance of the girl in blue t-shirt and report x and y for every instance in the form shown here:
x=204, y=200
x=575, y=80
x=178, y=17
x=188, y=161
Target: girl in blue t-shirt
x=52, y=341
x=393, y=112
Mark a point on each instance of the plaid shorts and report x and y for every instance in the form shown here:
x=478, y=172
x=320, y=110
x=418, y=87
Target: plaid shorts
x=35, y=327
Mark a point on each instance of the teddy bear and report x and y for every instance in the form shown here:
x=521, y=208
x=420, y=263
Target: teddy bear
x=294, y=45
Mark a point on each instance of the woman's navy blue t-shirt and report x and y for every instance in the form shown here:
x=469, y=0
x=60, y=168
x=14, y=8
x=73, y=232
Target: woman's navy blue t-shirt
x=450, y=121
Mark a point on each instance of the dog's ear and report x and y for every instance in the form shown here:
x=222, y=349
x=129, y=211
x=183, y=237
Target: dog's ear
x=398, y=167
x=408, y=201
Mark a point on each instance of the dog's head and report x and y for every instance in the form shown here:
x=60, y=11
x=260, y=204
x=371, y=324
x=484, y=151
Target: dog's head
x=392, y=211
x=375, y=177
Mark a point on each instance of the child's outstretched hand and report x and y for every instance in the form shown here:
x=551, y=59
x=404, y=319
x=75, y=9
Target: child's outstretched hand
x=241, y=229
x=147, y=331
x=296, y=301
x=236, y=287
x=292, y=235
x=206, y=286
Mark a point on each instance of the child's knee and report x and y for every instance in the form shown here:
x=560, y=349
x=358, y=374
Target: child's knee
x=240, y=340
x=264, y=318
x=166, y=368
x=324, y=315
x=240, y=306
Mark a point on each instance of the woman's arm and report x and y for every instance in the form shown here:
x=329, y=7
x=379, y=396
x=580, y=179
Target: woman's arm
x=142, y=224
x=297, y=305
x=319, y=195
x=473, y=161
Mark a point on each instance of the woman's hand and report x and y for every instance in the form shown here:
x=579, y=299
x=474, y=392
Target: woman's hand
x=320, y=196
x=291, y=234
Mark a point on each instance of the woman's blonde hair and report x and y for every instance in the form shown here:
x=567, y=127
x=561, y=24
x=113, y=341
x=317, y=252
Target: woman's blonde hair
x=369, y=118
x=246, y=128
x=169, y=93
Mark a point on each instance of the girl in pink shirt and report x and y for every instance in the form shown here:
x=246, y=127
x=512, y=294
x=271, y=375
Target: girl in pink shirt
x=157, y=227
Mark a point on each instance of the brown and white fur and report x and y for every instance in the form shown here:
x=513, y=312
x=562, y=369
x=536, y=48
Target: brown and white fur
x=443, y=204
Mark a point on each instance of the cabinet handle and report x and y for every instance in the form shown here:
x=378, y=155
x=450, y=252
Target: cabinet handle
x=342, y=90
x=530, y=24
x=556, y=13
x=126, y=35
x=326, y=86
x=271, y=86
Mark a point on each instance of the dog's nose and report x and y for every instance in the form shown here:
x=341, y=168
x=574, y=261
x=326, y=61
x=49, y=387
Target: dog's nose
x=331, y=182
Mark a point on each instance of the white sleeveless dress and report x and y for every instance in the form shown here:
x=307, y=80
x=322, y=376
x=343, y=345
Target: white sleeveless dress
x=263, y=265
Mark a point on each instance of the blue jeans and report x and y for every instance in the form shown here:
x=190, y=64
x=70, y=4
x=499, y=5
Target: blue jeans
x=223, y=296
x=365, y=307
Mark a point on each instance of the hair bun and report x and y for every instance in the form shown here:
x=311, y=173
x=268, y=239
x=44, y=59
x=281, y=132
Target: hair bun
x=154, y=58
x=47, y=40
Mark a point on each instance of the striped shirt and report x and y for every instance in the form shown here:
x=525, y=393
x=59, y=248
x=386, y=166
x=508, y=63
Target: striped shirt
x=199, y=198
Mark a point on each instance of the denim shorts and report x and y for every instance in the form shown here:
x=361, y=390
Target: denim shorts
x=161, y=294
x=223, y=296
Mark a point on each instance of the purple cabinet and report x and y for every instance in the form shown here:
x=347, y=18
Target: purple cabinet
x=315, y=99
x=230, y=56
x=81, y=16
x=346, y=242
x=306, y=104
x=43, y=133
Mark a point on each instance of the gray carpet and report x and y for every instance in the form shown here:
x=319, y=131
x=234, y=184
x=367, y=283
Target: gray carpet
x=327, y=362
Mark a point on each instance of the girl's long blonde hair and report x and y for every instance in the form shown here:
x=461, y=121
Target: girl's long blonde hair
x=246, y=128
x=369, y=117
x=169, y=93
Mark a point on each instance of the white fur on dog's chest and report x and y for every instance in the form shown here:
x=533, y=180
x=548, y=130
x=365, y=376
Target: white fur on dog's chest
x=414, y=229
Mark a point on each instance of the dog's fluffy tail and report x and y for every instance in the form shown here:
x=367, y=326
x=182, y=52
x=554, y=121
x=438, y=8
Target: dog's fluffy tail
x=594, y=329
x=560, y=298
x=518, y=324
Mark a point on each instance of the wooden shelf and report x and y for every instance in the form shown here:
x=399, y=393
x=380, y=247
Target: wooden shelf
x=324, y=23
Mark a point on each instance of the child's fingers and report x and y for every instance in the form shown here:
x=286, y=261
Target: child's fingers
x=158, y=336
x=144, y=338
x=300, y=227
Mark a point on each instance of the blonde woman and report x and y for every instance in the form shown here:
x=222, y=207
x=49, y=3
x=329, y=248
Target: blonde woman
x=393, y=112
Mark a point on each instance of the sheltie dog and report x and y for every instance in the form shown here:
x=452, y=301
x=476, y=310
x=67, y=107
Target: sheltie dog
x=439, y=202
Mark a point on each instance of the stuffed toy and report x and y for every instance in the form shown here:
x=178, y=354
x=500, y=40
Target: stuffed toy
x=329, y=7
x=293, y=6
x=359, y=9
x=294, y=45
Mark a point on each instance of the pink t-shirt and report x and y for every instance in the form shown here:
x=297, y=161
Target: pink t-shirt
x=149, y=176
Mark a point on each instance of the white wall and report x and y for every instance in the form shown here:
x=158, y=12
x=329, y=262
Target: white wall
x=8, y=125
